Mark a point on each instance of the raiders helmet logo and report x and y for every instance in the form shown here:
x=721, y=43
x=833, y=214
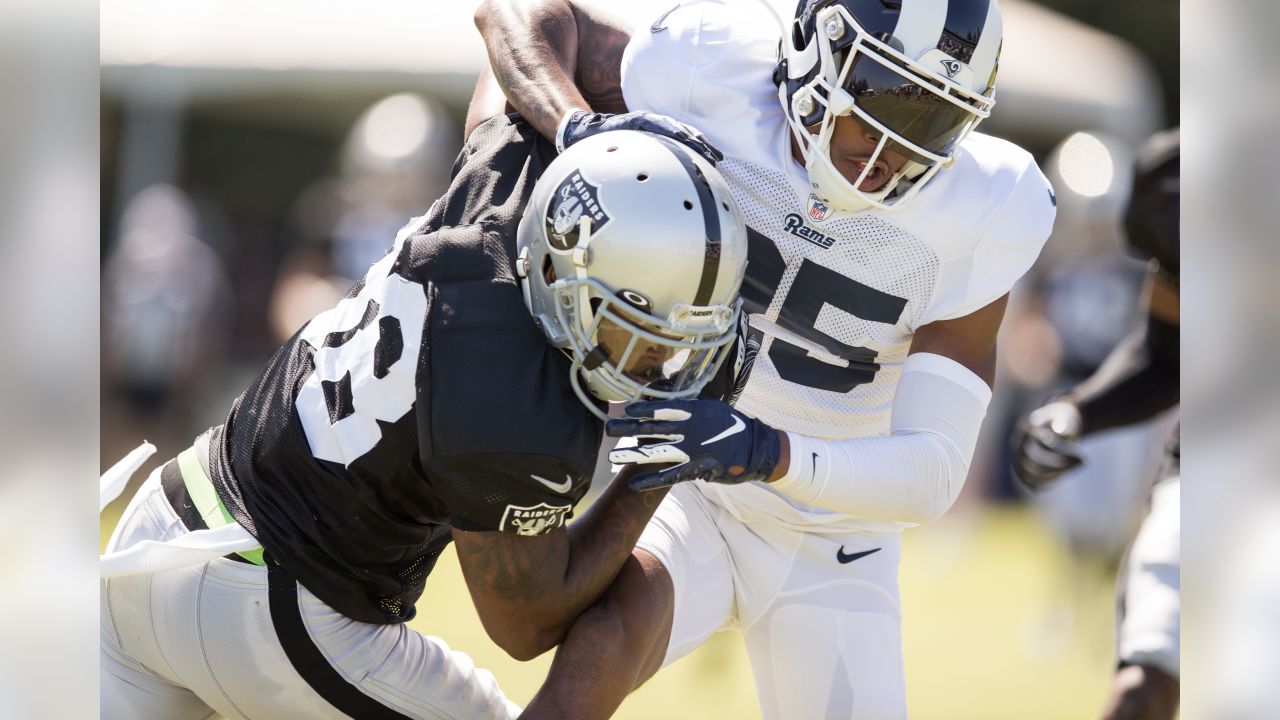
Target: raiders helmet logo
x=533, y=520
x=573, y=198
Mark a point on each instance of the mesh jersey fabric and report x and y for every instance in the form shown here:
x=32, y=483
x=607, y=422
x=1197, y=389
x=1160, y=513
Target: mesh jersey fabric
x=354, y=490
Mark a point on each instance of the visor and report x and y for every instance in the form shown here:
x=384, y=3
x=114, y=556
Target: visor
x=918, y=113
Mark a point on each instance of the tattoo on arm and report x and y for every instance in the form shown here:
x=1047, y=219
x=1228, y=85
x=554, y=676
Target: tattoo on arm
x=508, y=567
x=540, y=584
x=604, y=537
x=554, y=56
x=567, y=567
x=599, y=69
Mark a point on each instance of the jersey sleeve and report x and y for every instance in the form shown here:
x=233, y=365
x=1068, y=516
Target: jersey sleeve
x=707, y=64
x=524, y=494
x=1006, y=249
x=503, y=439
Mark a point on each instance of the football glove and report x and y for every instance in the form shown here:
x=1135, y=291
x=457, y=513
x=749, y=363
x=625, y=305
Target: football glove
x=1044, y=444
x=700, y=439
x=580, y=124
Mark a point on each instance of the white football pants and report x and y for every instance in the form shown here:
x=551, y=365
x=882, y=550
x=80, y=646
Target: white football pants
x=820, y=613
x=1149, y=631
x=236, y=640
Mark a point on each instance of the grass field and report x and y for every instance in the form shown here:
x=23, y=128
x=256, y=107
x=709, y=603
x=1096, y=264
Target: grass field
x=997, y=624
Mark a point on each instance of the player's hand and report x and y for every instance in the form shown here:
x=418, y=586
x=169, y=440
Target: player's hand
x=697, y=439
x=580, y=124
x=1044, y=444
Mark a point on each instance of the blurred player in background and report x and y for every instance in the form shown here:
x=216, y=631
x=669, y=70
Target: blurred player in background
x=456, y=394
x=394, y=160
x=165, y=301
x=1138, y=381
x=885, y=237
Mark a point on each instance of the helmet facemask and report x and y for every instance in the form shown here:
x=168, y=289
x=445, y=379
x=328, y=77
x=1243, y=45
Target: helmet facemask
x=916, y=111
x=623, y=354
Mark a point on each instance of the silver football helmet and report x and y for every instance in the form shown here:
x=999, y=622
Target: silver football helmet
x=919, y=74
x=631, y=253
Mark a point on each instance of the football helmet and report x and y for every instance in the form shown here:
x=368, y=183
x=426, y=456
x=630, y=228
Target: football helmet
x=631, y=252
x=917, y=74
x=1151, y=219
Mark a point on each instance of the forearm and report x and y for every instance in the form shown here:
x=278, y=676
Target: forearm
x=1138, y=380
x=601, y=541
x=551, y=57
x=912, y=478
x=914, y=474
x=529, y=590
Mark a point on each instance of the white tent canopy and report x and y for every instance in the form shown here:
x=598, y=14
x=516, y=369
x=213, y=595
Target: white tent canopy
x=1056, y=75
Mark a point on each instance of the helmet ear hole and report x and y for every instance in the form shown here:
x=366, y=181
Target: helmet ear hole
x=548, y=270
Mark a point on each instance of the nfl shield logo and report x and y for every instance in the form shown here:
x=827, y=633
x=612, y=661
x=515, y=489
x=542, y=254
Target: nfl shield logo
x=818, y=209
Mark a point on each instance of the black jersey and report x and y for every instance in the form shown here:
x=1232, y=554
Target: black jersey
x=427, y=399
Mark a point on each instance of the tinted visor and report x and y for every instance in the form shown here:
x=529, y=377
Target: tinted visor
x=919, y=114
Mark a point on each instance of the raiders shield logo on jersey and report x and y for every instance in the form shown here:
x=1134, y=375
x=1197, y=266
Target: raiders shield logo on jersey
x=573, y=198
x=533, y=520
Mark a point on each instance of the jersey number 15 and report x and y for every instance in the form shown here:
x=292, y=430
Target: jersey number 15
x=813, y=287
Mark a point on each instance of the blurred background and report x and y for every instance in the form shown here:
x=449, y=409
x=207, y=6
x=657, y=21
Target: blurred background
x=256, y=158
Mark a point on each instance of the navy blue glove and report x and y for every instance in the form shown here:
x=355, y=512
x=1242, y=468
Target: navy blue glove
x=705, y=439
x=581, y=124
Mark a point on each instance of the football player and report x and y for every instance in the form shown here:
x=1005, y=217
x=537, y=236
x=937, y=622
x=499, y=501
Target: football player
x=884, y=238
x=1138, y=381
x=456, y=394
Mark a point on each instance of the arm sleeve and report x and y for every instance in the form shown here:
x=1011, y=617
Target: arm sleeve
x=1138, y=380
x=710, y=66
x=659, y=69
x=915, y=473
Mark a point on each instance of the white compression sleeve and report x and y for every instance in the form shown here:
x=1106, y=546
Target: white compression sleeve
x=916, y=472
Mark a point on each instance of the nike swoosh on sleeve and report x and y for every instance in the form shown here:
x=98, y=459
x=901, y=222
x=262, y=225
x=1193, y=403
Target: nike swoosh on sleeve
x=563, y=487
x=737, y=427
x=657, y=25
x=843, y=559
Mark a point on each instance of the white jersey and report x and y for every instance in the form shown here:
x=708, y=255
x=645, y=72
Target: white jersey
x=837, y=296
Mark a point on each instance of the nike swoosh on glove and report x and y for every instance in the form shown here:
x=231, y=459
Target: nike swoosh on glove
x=580, y=124
x=701, y=439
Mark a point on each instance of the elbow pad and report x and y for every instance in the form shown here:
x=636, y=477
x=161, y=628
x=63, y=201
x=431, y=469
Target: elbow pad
x=916, y=472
